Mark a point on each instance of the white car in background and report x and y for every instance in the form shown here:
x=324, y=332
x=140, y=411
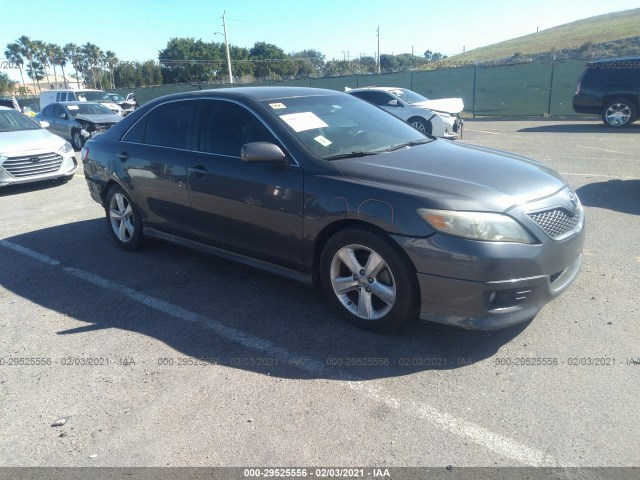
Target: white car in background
x=29, y=153
x=440, y=118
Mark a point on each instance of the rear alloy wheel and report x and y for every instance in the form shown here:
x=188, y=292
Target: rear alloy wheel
x=421, y=124
x=368, y=281
x=123, y=219
x=619, y=113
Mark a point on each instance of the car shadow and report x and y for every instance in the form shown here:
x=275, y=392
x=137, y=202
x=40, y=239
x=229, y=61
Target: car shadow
x=618, y=195
x=582, y=128
x=30, y=187
x=213, y=310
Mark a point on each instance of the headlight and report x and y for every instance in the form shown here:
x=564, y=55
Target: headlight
x=65, y=148
x=492, y=227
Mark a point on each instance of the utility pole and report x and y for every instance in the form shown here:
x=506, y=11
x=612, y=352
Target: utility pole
x=378, y=35
x=226, y=42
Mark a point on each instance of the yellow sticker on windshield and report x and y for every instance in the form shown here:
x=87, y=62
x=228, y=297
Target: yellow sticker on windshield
x=277, y=106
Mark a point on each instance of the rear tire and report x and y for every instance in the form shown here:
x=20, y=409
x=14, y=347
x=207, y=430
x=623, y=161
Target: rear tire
x=123, y=219
x=619, y=113
x=368, y=280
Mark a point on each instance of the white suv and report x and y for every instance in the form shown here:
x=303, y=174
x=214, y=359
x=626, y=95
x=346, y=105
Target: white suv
x=440, y=118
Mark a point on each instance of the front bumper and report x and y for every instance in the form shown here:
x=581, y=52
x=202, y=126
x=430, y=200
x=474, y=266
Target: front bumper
x=490, y=305
x=18, y=171
x=489, y=285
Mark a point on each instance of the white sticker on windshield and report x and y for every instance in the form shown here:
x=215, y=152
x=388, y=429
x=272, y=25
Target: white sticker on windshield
x=277, y=106
x=73, y=107
x=303, y=121
x=325, y=142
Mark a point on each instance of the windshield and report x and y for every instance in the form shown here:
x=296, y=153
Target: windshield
x=88, y=109
x=93, y=96
x=335, y=126
x=14, y=121
x=408, y=96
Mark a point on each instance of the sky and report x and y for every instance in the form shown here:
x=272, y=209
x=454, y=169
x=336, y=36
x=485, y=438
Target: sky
x=341, y=29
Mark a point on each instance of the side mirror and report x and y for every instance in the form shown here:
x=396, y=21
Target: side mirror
x=393, y=103
x=262, y=152
x=44, y=124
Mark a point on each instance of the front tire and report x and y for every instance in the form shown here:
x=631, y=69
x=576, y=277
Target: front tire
x=77, y=140
x=619, y=113
x=123, y=219
x=421, y=124
x=368, y=281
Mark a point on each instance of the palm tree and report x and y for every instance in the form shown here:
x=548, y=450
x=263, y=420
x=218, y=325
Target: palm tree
x=74, y=55
x=111, y=60
x=92, y=55
x=36, y=72
x=52, y=51
x=58, y=58
x=14, y=55
x=26, y=49
x=40, y=54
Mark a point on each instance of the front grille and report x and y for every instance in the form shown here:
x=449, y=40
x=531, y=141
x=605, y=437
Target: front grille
x=556, y=222
x=29, y=165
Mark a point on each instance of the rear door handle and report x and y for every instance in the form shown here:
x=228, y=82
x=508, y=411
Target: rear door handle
x=124, y=156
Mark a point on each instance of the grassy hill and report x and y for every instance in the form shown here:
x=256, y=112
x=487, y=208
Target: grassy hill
x=620, y=28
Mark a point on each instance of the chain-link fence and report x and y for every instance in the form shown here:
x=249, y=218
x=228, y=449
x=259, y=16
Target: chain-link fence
x=534, y=88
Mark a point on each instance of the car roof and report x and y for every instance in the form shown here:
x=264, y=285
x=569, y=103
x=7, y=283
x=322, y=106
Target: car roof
x=76, y=102
x=256, y=93
x=384, y=89
x=617, y=59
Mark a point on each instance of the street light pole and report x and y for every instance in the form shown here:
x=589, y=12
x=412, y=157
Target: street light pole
x=378, y=35
x=226, y=42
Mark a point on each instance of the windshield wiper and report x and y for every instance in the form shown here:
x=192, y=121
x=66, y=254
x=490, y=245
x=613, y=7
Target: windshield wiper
x=350, y=155
x=413, y=143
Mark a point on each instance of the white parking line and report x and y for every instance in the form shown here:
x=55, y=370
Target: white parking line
x=482, y=131
x=600, y=149
x=462, y=428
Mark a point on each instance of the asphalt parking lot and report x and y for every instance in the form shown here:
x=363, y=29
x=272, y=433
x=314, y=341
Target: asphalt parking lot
x=168, y=357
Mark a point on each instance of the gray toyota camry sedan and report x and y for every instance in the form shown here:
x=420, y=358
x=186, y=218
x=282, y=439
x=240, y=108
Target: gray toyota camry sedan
x=323, y=188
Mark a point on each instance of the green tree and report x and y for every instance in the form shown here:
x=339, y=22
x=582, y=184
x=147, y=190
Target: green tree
x=111, y=61
x=269, y=61
x=7, y=86
x=73, y=54
x=187, y=60
x=92, y=58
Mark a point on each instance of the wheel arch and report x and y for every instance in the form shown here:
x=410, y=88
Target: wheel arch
x=329, y=230
x=610, y=97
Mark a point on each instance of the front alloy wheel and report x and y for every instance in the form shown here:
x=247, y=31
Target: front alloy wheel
x=123, y=219
x=363, y=282
x=366, y=277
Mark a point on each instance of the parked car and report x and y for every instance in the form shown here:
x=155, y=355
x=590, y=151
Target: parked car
x=84, y=95
x=321, y=187
x=31, y=110
x=440, y=118
x=10, y=102
x=126, y=105
x=78, y=121
x=28, y=153
x=610, y=88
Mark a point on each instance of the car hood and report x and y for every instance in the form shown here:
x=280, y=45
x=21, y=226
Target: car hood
x=99, y=117
x=457, y=176
x=13, y=143
x=447, y=105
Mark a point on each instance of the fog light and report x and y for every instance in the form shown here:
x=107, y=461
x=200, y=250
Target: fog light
x=492, y=297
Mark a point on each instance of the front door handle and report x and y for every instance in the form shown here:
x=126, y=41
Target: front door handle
x=199, y=170
x=124, y=156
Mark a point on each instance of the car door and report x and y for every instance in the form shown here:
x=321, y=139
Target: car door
x=251, y=208
x=53, y=115
x=151, y=161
